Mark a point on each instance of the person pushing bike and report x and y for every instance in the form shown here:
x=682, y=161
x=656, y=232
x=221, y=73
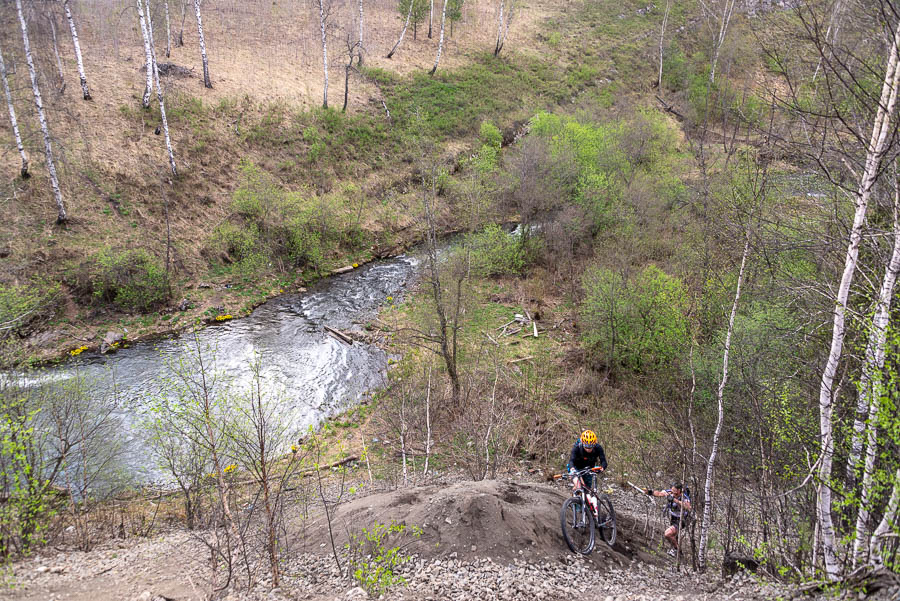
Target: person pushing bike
x=587, y=452
x=678, y=508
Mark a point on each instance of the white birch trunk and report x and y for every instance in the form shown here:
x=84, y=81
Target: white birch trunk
x=45, y=130
x=506, y=23
x=148, y=56
x=440, y=49
x=168, y=31
x=499, y=30
x=887, y=522
x=427, y=424
x=430, y=18
x=206, y=80
x=727, y=11
x=870, y=387
x=874, y=154
x=710, y=466
x=402, y=32
x=51, y=19
x=324, y=52
x=831, y=32
x=662, y=36
x=85, y=91
x=12, y=119
x=159, y=93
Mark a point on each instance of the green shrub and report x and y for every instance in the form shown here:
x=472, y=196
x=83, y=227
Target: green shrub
x=22, y=305
x=496, y=252
x=639, y=323
x=373, y=562
x=132, y=279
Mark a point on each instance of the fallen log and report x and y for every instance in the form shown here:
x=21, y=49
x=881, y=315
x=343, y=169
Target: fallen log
x=338, y=334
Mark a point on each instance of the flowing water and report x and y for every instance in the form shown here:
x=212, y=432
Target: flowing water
x=318, y=374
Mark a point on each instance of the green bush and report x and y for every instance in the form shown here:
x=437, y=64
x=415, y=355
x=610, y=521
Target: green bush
x=496, y=252
x=275, y=225
x=132, y=279
x=373, y=562
x=640, y=323
x=22, y=305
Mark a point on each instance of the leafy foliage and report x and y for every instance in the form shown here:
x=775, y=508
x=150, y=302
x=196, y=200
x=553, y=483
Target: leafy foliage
x=373, y=562
x=639, y=323
x=131, y=279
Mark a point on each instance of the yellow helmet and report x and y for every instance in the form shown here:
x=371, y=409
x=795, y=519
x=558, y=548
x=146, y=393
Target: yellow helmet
x=588, y=438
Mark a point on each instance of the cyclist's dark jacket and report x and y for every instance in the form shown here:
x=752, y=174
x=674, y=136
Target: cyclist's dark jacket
x=579, y=458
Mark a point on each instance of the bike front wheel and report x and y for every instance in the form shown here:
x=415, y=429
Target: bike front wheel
x=577, y=523
x=606, y=520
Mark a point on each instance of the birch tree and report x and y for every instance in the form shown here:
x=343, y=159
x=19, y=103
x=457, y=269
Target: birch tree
x=206, y=80
x=662, y=37
x=887, y=523
x=168, y=30
x=12, y=119
x=430, y=17
x=719, y=40
x=159, y=91
x=85, y=91
x=148, y=56
x=720, y=394
x=437, y=59
x=503, y=26
x=39, y=105
x=870, y=389
x=875, y=151
x=323, y=16
x=402, y=31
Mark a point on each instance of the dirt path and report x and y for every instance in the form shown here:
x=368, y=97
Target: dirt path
x=480, y=540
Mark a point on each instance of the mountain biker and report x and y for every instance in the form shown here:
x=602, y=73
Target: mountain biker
x=678, y=507
x=586, y=453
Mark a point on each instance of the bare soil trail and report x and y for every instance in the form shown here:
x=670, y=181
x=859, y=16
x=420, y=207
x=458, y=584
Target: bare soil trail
x=480, y=540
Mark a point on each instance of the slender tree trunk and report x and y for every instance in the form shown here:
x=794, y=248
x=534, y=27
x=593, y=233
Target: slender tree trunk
x=440, y=49
x=887, y=522
x=85, y=91
x=45, y=130
x=148, y=55
x=159, y=92
x=427, y=424
x=206, y=80
x=499, y=30
x=324, y=52
x=51, y=19
x=506, y=23
x=347, y=83
x=662, y=36
x=12, y=119
x=402, y=32
x=360, y=52
x=710, y=466
x=727, y=11
x=834, y=24
x=168, y=31
x=874, y=155
x=179, y=41
x=870, y=388
x=430, y=18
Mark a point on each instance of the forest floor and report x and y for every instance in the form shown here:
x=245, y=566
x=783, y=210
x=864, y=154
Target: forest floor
x=493, y=539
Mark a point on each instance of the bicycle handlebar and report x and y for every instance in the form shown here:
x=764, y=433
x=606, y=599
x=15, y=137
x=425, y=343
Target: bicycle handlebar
x=579, y=473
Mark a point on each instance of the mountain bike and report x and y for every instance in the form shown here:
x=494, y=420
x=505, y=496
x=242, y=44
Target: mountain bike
x=584, y=511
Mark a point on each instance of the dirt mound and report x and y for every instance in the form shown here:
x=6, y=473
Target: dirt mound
x=496, y=519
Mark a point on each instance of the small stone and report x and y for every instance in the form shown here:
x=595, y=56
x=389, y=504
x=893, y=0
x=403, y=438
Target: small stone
x=144, y=596
x=42, y=569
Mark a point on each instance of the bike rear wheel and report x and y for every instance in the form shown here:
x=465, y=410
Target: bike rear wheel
x=577, y=523
x=606, y=521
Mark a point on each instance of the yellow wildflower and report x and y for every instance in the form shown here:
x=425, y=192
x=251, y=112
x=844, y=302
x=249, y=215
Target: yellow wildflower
x=229, y=468
x=223, y=317
x=294, y=448
x=77, y=351
x=355, y=265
